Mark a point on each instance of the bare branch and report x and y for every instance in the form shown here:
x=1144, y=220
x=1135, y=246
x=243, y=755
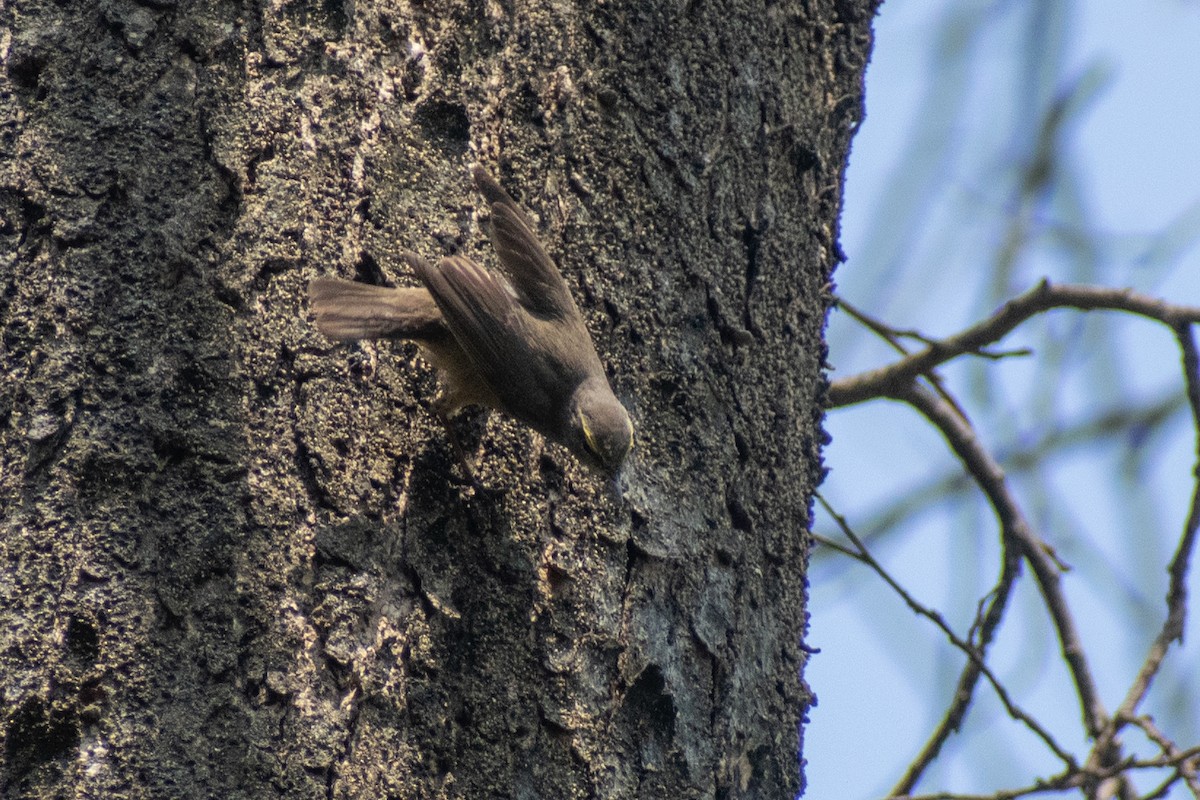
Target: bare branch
x=893, y=379
x=1187, y=761
x=1065, y=781
x=1164, y=787
x=1013, y=525
x=881, y=329
x=893, y=337
x=903, y=381
x=1106, y=424
x=984, y=628
x=974, y=654
x=1172, y=629
x=833, y=545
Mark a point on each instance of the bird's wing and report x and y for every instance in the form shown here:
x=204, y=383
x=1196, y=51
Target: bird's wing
x=534, y=276
x=489, y=324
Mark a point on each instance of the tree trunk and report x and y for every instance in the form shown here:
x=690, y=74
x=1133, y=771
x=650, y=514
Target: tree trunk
x=236, y=561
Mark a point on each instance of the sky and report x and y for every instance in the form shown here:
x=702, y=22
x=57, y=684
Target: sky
x=955, y=94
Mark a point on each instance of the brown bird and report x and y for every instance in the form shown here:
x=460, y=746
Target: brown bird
x=513, y=341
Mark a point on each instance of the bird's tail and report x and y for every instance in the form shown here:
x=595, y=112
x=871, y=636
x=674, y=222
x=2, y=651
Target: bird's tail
x=347, y=310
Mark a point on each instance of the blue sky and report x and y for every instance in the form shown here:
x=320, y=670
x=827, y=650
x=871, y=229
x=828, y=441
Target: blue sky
x=955, y=95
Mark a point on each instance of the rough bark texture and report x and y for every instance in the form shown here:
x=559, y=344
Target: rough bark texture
x=232, y=563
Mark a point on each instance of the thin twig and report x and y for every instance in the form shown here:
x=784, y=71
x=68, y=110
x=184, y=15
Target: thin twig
x=887, y=381
x=990, y=477
x=881, y=329
x=900, y=381
x=1188, y=766
x=1173, y=626
x=893, y=337
x=984, y=630
x=1107, y=424
x=833, y=545
x=1065, y=781
x=1162, y=789
x=973, y=653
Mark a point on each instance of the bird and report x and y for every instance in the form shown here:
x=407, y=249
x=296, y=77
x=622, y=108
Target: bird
x=511, y=339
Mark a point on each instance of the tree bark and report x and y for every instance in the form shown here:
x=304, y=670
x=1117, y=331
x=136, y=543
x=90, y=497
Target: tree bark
x=234, y=560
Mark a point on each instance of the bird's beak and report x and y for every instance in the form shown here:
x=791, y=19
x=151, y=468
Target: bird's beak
x=618, y=482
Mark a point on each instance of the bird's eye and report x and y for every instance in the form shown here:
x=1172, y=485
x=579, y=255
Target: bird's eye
x=588, y=440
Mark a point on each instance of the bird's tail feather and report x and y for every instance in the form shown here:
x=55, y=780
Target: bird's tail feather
x=347, y=310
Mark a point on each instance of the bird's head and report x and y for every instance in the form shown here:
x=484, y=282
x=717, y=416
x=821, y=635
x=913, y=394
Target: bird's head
x=599, y=432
